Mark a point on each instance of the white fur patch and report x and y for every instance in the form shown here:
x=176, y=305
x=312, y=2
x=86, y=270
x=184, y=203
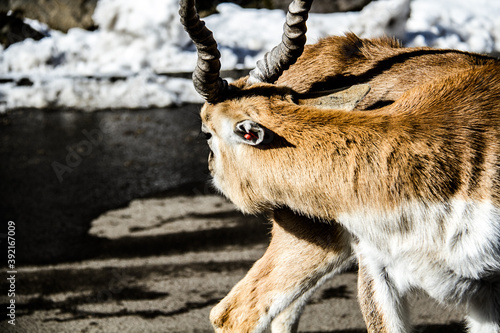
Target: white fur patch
x=442, y=249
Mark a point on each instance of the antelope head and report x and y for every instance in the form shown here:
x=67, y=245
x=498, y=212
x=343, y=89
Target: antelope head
x=244, y=122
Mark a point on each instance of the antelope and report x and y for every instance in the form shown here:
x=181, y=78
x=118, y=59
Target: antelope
x=360, y=150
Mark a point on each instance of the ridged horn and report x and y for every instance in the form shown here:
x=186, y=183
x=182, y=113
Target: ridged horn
x=206, y=76
x=289, y=50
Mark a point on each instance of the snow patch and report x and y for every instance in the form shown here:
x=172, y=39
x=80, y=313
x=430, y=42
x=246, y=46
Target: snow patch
x=123, y=63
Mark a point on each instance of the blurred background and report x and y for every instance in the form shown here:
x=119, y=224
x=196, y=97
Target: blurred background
x=103, y=169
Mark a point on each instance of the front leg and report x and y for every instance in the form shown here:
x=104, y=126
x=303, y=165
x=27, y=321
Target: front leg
x=302, y=254
x=384, y=309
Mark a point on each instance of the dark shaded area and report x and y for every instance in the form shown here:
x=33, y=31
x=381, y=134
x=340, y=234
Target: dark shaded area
x=126, y=247
x=146, y=314
x=71, y=303
x=47, y=282
x=452, y=328
x=339, y=292
x=13, y=30
x=60, y=170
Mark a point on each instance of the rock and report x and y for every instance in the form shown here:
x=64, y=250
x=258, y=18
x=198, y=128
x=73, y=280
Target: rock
x=58, y=14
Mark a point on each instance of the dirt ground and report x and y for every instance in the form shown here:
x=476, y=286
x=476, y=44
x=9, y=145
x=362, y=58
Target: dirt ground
x=132, y=240
x=174, y=293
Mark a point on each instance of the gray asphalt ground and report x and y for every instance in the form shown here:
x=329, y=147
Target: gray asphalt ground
x=117, y=231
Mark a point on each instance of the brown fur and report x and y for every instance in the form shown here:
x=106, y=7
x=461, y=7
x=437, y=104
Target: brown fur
x=373, y=316
x=298, y=245
x=339, y=61
x=376, y=158
x=428, y=131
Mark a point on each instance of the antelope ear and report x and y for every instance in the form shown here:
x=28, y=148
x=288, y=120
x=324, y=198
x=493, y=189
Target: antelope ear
x=251, y=133
x=341, y=99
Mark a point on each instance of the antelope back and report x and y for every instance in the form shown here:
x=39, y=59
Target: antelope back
x=341, y=61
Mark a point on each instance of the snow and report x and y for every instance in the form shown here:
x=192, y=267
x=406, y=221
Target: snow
x=126, y=61
x=465, y=25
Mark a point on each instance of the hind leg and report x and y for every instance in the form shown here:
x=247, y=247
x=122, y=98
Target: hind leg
x=384, y=309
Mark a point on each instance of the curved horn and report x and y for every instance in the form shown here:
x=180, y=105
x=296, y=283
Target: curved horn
x=291, y=47
x=206, y=76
